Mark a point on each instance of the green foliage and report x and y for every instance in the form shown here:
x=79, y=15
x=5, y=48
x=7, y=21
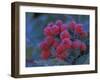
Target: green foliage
x=29, y=52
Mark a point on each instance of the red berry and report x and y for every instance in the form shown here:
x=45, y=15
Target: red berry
x=83, y=34
x=45, y=54
x=50, y=24
x=62, y=56
x=83, y=46
x=63, y=27
x=64, y=34
x=55, y=30
x=55, y=44
x=60, y=48
x=49, y=40
x=67, y=43
x=59, y=22
x=79, y=28
x=76, y=44
x=72, y=25
x=48, y=31
x=44, y=45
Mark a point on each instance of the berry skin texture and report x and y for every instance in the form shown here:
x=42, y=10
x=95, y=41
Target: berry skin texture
x=44, y=45
x=55, y=43
x=67, y=43
x=48, y=31
x=63, y=27
x=59, y=23
x=76, y=44
x=49, y=40
x=79, y=28
x=72, y=25
x=62, y=56
x=55, y=30
x=64, y=34
x=83, y=46
x=45, y=54
x=60, y=48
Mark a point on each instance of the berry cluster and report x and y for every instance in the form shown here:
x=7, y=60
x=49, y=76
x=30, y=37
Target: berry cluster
x=59, y=36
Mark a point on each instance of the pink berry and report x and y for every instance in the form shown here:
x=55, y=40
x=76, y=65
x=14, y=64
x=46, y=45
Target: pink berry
x=48, y=31
x=76, y=44
x=72, y=25
x=52, y=33
x=59, y=22
x=64, y=34
x=83, y=46
x=50, y=24
x=45, y=54
x=63, y=27
x=62, y=56
x=67, y=43
x=79, y=28
x=44, y=45
x=55, y=30
x=50, y=40
x=55, y=44
x=60, y=48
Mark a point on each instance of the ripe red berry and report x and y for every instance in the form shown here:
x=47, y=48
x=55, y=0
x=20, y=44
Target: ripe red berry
x=48, y=31
x=44, y=45
x=79, y=28
x=60, y=48
x=67, y=43
x=50, y=40
x=45, y=54
x=72, y=25
x=63, y=27
x=55, y=30
x=58, y=37
x=64, y=34
x=55, y=44
x=59, y=22
x=76, y=44
x=83, y=46
x=62, y=56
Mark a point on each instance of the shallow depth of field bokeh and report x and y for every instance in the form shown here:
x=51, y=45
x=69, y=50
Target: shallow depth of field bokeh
x=56, y=39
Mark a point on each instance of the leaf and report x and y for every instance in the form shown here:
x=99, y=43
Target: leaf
x=53, y=61
x=83, y=59
x=29, y=53
x=61, y=62
x=36, y=53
